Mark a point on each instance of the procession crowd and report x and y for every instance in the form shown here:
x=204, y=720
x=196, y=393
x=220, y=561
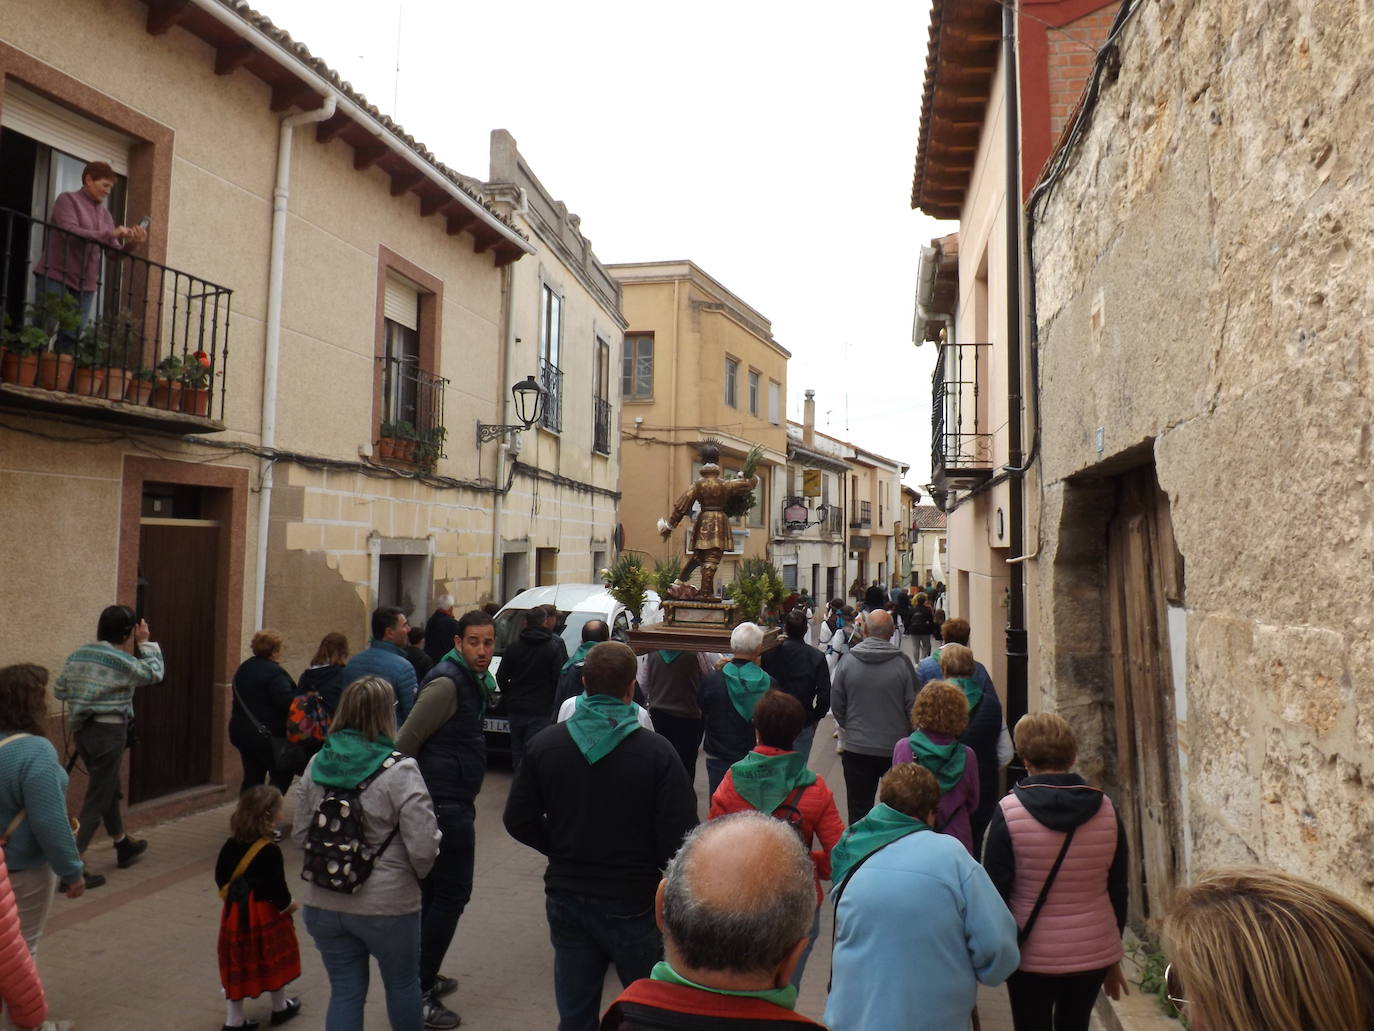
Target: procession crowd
x=938, y=880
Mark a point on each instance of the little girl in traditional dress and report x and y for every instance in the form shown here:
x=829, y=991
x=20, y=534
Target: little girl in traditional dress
x=257, y=941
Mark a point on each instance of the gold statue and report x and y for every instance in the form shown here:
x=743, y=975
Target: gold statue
x=711, y=533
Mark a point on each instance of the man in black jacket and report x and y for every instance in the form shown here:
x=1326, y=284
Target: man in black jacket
x=528, y=678
x=802, y=672
x=608, y=803
x=444, y=734
x=441, y=628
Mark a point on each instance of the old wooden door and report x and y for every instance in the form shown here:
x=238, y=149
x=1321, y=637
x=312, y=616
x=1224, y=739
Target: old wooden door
x=1144, y=576
x=177, y=565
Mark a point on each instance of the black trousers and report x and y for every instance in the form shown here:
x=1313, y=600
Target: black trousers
x=1053, y=1002
x=684, y=734
x=861, y=776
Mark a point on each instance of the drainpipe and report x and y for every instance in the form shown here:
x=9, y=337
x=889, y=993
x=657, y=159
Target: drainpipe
x=507, y=362
x=1017, y=645
x=272, y=349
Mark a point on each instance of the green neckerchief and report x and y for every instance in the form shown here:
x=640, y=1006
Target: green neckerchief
x=348, y=758
x=945, y=761
x=786, y=996
x=973, y=691
x=599, y=723
x=881, y=827
x=578, y=656
x=668, y=656
x=765, y=781
x=485, y=681
x=746, y=683
x=936, y=655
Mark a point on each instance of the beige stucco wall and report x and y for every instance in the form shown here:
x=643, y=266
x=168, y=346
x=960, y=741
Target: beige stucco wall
x=1222, y=181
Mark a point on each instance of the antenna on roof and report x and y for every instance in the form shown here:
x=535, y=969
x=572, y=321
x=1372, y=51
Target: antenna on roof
x=396, y=81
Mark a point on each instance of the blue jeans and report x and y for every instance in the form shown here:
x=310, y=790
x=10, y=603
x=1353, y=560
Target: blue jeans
x=345, y=941
x=804, y=740
x=589, y=934
x=445, y=892
x=715, y=773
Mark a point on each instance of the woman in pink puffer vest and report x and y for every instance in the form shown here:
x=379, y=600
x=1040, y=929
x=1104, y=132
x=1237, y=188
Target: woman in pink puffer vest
x=20, y=988
x=1072, y=947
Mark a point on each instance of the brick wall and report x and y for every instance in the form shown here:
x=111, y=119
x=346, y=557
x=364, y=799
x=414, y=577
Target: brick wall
x=1072, y=50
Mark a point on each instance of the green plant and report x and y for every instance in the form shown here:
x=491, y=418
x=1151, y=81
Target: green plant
x=758, y=587
x=23, y=339
x=430, y=446
x=1150, y=963
x=195, y=370
x=665, y=573
x=629, y=582
x=92, y=347
x=145, y=374
x=737, y=505
x=171, y=367
x=46, y=316
x=400, y=430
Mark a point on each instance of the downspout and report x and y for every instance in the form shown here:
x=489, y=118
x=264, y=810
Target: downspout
x=272, y=349
x=1017, y=644
x=504, y=366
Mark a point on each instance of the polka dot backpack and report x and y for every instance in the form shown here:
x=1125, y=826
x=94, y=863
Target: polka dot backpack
x=337, y=855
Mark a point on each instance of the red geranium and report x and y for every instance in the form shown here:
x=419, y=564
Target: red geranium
x=202, y=358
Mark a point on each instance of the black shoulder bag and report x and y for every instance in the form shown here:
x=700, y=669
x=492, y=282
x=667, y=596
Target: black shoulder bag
x=1024, y=933
x=285, y=757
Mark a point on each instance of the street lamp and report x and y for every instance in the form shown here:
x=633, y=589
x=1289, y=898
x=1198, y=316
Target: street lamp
x=529, y=406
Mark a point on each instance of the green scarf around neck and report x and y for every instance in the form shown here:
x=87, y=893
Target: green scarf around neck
x=786, y=996
x=578, y=656
x=973, y=691
x=667, y=656
x=746, y=683
x=599, y=723
x=485, y=681
x=765, y=781
x=881, y=827
x=348, y=758
x=945, y=761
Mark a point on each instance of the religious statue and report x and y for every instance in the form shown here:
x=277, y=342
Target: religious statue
x=711, y=534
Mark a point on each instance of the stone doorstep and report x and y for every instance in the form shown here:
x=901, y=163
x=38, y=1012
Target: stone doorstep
x=1135, y=1012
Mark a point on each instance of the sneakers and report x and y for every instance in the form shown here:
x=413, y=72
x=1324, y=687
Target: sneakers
x=444, y=986
x=292, y=1010
x=437, y=1015
x=127, y=850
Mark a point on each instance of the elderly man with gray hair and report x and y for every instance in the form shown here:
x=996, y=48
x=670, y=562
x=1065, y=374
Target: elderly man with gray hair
x=735, y=909
x=441, y=629
x=728, y=696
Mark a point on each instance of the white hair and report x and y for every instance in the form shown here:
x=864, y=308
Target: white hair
x=746, y=638
x=444, y=601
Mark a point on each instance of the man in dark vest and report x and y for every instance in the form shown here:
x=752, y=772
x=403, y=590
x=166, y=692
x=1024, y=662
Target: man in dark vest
x=444, y=734
x=608, y=803
x=671, y=681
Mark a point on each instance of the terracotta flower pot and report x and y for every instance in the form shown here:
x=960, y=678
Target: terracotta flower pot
x=139, y=391
x=195, y=400
x=55, y=370
x=116, y=383
x=167, y=394
x=386, y=449
x=89, y=382
x=19, y=369
x=405, y=450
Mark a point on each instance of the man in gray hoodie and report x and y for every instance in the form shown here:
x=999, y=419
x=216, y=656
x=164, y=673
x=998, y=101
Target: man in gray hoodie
x=871, y=696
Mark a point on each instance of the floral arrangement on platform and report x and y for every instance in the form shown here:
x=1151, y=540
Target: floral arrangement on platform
x=738, y=505
x=629, y=583
x=757, y=588
x=665, y=574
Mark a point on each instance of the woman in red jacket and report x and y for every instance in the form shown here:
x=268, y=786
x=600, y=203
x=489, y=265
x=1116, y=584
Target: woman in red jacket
x=774, y=779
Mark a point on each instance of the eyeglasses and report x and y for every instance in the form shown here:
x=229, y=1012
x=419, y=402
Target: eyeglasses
x=1173, y=988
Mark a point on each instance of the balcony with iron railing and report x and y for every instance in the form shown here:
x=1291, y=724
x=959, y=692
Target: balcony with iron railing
x=961, y=442
x=412, y=430
x=834, y=521
x=601, y=426
x=87, y=329
x=861, y=516
x=551, y=379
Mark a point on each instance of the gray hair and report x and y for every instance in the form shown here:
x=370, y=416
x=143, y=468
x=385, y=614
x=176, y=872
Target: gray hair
x=444, y=601
x=758, y=935
x=746, y=638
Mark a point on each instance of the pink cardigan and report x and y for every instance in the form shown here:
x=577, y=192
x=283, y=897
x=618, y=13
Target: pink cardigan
x=66, y=257
x=20, y=987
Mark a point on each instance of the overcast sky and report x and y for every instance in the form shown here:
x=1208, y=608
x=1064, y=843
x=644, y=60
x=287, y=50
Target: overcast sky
x=771, y=143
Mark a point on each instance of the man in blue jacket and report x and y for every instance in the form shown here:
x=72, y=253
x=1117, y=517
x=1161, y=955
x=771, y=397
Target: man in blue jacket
x=386, y=657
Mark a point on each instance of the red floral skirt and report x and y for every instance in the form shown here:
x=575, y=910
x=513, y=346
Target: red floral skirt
x=257, y=950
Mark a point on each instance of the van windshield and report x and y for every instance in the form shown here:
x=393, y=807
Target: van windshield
x=569, y=626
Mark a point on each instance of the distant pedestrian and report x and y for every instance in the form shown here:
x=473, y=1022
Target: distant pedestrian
x=262, y=692
x=418, y=657
x=257, y=942
x=871, y=697
x=441, y=628
x=895, y=882
x=734, y=906
x=874, y=597
x=98, y=684
x=386, y=657
x=802, y=672
x=608, y=803
x=727, y=699
x=774, y=779
x=1256, y=948
x=922, y=626
x=528, y=678
x=1057, y=854
x=672, y=684
x=325, y=674
x=937, y=719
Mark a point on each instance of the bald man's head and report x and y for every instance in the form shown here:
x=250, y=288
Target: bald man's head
x=880, y=624
x=739, y=895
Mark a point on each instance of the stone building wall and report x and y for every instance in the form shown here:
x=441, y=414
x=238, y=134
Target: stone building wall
x=1202, y=278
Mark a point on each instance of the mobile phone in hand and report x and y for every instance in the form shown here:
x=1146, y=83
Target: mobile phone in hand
x=144, y=223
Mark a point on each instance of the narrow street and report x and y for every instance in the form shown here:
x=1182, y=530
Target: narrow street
x=139, y=953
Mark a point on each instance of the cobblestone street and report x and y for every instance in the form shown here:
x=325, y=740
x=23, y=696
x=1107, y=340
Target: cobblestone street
x=139, y=953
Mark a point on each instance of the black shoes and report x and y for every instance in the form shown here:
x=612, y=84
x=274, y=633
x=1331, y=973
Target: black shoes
x=439, y=1017
x=444, y=986
x=93, y=880
x=293, y=1010
x=127, y=850
x=247, y=1025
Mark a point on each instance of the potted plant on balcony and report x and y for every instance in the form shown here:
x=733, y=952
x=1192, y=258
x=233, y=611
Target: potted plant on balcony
x=92, y=357
x=195, y=384
x=57, y=316
x=429, y=447
x=140, y=386
x=167, y=386
x=19, y=356
x=398, y=443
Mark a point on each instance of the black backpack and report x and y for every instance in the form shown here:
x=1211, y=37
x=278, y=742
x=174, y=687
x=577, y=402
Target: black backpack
x=337, y=855
x=789, y=814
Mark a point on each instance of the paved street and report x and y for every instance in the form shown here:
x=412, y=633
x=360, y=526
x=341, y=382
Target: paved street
x=139, y=953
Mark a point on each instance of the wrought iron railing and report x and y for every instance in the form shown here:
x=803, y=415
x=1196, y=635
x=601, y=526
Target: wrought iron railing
x=87, y=318
x=412, y=428
x=601, y=425
x=834, y=519
x=551, y=379
x=861, y=516
x=961, y=444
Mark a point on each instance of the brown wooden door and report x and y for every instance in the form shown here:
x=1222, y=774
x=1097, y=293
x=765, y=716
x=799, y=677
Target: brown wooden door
x=1145, y=574
x=177, y=564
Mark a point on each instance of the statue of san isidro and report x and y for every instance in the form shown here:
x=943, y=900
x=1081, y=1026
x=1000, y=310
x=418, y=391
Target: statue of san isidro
x=711, y=533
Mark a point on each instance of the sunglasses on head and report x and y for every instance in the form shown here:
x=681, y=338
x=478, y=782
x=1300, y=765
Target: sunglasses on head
x=1173, y=987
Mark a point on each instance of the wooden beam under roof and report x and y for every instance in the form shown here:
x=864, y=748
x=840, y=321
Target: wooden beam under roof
x=405, y=180
x=163, y=14
x=506, y=253
x=458, y=221
x=230, y=57
x=484, y=237
x=328, y=130
x=368, y=154
x=431, y=202
x=294, y=93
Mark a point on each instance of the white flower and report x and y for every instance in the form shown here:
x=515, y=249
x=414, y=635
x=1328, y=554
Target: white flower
x=663, y=526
